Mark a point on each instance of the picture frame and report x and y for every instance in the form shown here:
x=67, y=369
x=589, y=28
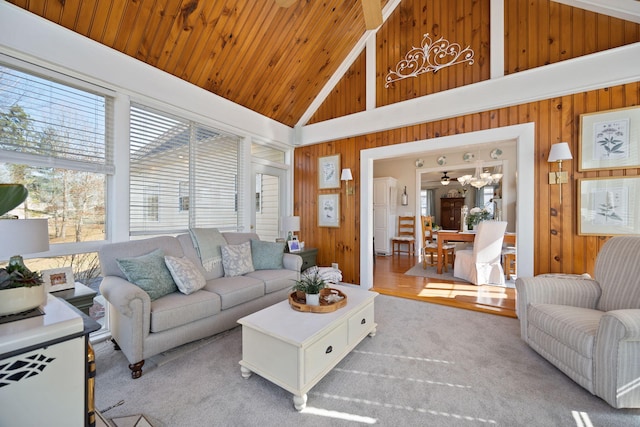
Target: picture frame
x=58, y=279
x=609, y=206
x=329, y=210
x=610, y=139
x=294, y=245
x=329, y=172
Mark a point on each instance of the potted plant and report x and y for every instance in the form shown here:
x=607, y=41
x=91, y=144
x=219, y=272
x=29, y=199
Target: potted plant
x=310, y=285
x=21, y=289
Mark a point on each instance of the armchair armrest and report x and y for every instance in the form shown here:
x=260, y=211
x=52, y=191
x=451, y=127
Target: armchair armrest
x=292, y=261
x=572, y=290
x=616, y=367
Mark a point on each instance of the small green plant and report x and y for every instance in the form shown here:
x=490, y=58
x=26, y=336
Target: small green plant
x=18, y=276
x=310, y=283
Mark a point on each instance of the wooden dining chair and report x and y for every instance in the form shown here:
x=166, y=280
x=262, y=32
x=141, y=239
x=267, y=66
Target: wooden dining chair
x=405, y=235
x=430, y=247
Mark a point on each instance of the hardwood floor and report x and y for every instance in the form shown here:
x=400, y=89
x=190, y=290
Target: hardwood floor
x=389, y=279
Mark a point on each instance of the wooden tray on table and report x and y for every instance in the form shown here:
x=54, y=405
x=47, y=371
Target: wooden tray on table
x=324, y=307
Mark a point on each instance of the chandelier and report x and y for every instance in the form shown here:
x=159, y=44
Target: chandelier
x=482, y=176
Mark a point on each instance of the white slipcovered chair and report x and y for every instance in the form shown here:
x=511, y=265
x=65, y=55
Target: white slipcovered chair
x=481, y=265
x=590, y=328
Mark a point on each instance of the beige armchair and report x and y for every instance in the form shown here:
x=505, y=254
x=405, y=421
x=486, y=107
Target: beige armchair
x=590, y=328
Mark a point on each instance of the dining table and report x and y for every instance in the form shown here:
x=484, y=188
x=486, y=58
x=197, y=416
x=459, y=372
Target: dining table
x=444, y=236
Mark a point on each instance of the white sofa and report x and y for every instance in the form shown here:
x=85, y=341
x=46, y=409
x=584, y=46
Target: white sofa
x=590, y=328
x=142, y=328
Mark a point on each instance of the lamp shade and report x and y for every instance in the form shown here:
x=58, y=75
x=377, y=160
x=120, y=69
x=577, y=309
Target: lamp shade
x=291, y=223
x=560, y=151
x=23, y=236
x=346, y=175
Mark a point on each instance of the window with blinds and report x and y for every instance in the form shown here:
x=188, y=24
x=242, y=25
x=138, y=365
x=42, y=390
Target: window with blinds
x=182, y=174
x=55, y=139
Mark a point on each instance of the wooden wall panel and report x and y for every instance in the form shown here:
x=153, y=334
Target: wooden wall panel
x=458, y=21
x=557, y=247
x=543, y=32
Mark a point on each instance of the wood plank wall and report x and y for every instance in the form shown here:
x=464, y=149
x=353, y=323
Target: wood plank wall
x=548, y=37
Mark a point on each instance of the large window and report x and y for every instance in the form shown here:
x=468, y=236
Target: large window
x=182, y=174
x=54, y=138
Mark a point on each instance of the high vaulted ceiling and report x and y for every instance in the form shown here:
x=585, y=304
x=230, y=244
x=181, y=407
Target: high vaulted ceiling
x=270, y=59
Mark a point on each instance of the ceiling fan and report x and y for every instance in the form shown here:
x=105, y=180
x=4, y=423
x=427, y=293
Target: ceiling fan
x=372, y=10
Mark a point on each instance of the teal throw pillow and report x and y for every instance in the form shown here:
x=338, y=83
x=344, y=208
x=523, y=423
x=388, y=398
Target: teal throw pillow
x=267, y=255
x=150, y=273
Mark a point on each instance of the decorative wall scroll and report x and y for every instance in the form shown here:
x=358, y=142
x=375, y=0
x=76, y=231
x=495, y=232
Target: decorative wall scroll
x=432, y=56
x=329, y=210
x=610, y=139
x=609, y=206
x=329, y=172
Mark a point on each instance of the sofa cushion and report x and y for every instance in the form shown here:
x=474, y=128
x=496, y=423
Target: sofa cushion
x=150, y=273
x=267, y=255
x=236, y=259
x=235, y=290
x=186, y=275
x=179, y=309
x=275, y=280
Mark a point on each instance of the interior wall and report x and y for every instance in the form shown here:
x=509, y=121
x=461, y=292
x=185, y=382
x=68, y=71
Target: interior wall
x=536, y=34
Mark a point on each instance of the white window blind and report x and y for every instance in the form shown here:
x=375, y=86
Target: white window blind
x=182, y=174
x=55, y=138
x=51, y=124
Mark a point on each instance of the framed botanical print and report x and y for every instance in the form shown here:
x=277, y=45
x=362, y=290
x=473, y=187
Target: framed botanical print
x=610, y=139
x=609, y=206
x=329, y=210
x=329, y=172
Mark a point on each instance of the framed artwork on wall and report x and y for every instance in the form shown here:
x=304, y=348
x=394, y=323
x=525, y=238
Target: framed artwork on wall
x=329, y=172
x=610, y=139
x=329, y=210
x=609, y=206
x=58, y=279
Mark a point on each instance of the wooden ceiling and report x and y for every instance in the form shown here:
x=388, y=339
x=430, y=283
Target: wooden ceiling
x=270, y=59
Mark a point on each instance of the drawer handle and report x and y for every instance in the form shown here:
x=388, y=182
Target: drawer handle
x=363, y=321
x=329, y=350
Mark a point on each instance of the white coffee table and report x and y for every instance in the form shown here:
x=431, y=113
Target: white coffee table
x=295, y=350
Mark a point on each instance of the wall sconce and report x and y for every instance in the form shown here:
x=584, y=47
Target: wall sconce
x=558, y=153
x=346, y=176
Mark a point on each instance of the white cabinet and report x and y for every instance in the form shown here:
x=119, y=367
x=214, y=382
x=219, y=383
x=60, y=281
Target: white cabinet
x=385, y=201
x=43, y=366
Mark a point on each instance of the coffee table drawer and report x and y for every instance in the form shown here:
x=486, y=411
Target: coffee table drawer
x=319, y=357
x=360, y=324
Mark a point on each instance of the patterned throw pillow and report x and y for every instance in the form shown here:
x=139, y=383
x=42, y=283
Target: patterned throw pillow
x=236, y=259
x=150, y=273
x=186, y=275
x=267, y=255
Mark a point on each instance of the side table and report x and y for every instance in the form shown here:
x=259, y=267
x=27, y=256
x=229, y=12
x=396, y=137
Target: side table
x=80, y=296
x=308, y=257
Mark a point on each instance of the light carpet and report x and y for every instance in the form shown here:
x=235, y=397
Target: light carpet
x=431, y=272
x=428, y=365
